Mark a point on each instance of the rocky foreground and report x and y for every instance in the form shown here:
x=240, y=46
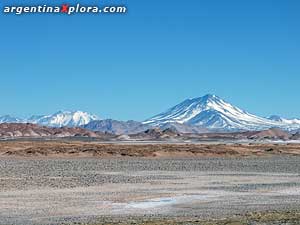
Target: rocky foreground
x=56, y=191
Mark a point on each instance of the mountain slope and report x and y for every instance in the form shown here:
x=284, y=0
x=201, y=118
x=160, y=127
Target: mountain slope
x=116, y=127
x=214, y=113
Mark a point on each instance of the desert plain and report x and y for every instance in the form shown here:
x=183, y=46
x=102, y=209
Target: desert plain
x=79, y=182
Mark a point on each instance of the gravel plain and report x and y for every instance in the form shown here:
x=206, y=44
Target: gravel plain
x=87, y=190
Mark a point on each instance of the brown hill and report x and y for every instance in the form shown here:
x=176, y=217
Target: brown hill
x=273, y=133
x=32, y=130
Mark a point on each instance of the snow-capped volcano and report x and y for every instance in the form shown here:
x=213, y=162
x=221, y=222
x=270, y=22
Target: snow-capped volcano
x=64, y=119
x=214, y=113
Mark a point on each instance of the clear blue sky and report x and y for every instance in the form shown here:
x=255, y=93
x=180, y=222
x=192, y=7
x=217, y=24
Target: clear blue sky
x=161, y=52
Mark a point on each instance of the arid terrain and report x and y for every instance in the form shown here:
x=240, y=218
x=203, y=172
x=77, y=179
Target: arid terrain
x=99, y=191
x=67, y=148
x=81, y=182
x=12, y=131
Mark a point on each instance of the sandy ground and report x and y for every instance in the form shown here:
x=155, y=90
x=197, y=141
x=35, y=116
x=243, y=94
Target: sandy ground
x=56, y=191
x=65, y=148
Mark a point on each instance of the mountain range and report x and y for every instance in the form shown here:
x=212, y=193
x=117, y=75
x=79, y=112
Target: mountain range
x=16, y=130
x=58, y=119
x=204, y=114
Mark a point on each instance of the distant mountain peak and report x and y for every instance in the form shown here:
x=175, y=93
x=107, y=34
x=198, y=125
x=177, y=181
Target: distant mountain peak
x=212, y=112
x=275, y=118
x=9, y=119
x=210, y=97
x=284, y=120
x=62, y=118
x=205, y=98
